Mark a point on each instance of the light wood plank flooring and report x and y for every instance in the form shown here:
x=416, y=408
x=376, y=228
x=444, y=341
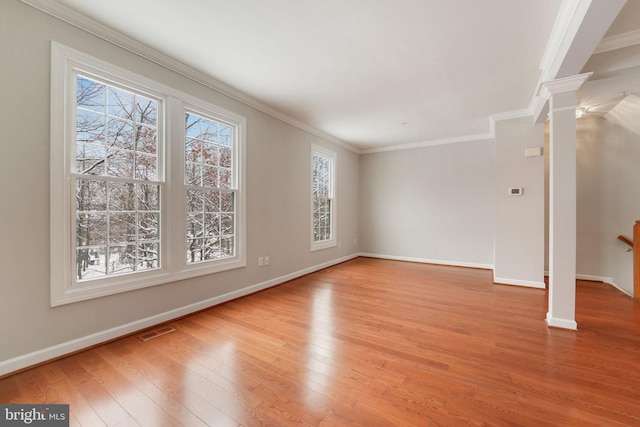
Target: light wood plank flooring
x=370, y=343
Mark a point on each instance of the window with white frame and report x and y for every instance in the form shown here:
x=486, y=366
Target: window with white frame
x=125, y=151
x=323, y=198
x=117, y=185
x=211, y=188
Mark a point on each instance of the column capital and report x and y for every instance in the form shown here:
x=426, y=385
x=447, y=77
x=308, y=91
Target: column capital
x=563, y=84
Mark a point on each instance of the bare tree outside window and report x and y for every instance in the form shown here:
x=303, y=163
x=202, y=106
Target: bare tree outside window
x=321, y=168
x=117, y=199
x=146, y=181
x=211, y=191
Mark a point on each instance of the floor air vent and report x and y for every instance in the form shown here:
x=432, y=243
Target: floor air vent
x=156, y=333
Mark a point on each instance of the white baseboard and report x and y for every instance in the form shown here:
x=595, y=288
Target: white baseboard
x=504, y=281
x=39, y=356
x=561, y=323
x=607, y=280
x=516, y=282
x=591, y=277
x=429, y=261
x=624, y=291
x=603, y=279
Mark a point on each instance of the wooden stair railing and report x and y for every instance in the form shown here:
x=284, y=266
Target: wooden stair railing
x=627, y=241
x=634, y=245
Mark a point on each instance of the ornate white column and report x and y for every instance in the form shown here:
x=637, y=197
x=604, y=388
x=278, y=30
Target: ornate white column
x=561, y=94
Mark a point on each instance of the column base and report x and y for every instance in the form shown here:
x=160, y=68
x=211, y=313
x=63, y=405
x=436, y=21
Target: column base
x=561, y=323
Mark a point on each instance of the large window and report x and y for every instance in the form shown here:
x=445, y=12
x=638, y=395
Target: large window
x=141, y=174
x=211, y=188
x=117, y=184
x=323, y=198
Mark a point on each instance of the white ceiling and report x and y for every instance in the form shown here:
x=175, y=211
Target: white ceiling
x=371, y=73
x=613, y=88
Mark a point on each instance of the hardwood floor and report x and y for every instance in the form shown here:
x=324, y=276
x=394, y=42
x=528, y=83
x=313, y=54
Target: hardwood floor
x=370, y=343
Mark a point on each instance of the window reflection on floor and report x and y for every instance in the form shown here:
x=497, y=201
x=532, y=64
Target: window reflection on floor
x=321, y=347
x=209, y=385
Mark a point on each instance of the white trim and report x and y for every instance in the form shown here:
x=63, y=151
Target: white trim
x=618, y=41
x=565, y=21
x=498, y=280
x=59, y=226
x=90, y=26
x=538, y=107
x=238, y=123
x=518, y=282
x=565, y=108
x=563, y=35
x=561, y=323
x=629, y=294
x=431, y=143
x=604, y=279
x=592, y=278
x=563, y=84
x=58, y=350
x=429, y=261
x=507, y=115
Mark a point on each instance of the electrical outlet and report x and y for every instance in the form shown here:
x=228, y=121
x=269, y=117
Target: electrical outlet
x=339, y=244
x=260, y=261
x=355, y=240
x=266, y=260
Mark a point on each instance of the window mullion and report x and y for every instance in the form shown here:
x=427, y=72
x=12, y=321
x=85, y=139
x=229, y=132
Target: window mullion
x=174, y=200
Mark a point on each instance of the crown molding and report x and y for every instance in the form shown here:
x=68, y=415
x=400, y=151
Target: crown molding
x=538, y=108
x=619, y=41
x=493, y=118
x=508, y=115
x=116, y=38
x=430, y=143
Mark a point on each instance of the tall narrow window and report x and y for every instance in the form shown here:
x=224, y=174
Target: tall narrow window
x=211, y=188
x=323, y=199
x=116, y=181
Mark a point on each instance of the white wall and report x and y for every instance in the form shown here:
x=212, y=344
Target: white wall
x=430, y=204
x=519, y=220
x=278, y=199
x=608, y=200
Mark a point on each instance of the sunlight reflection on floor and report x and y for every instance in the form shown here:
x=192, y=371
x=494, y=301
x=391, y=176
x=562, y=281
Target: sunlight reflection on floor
x=321, y=347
